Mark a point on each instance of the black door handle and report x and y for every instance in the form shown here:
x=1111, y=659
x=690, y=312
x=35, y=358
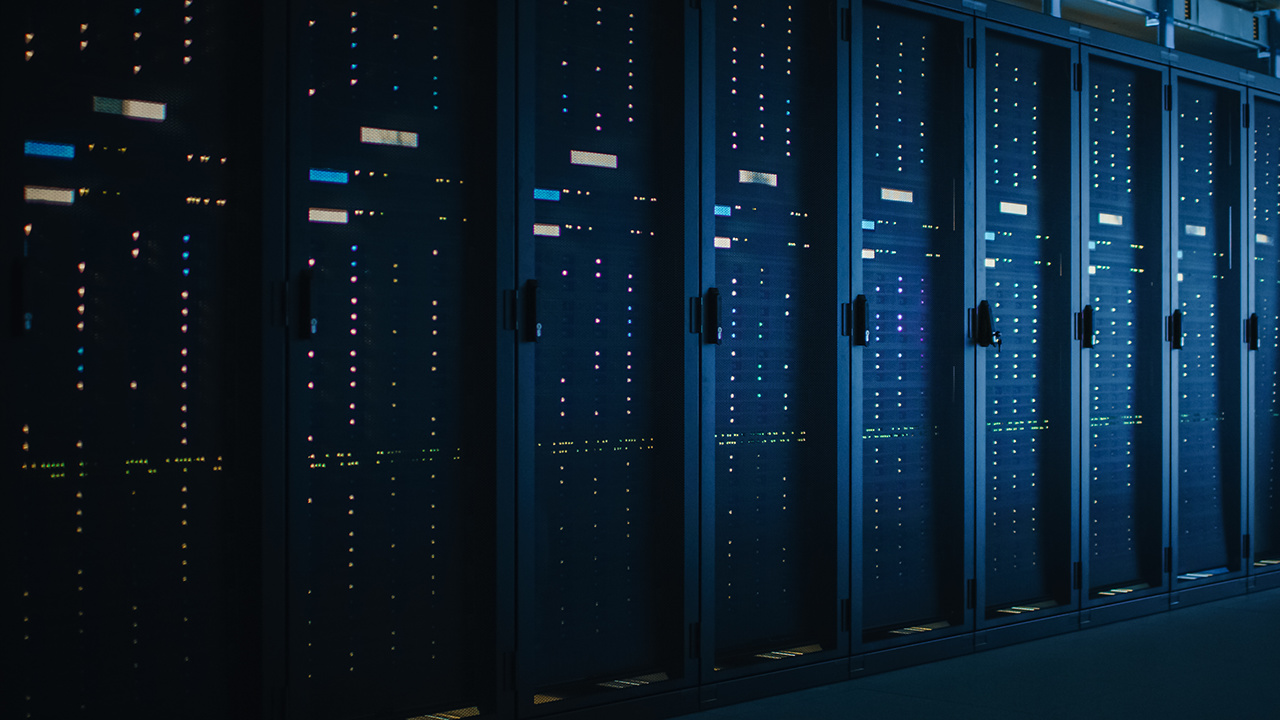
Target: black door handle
x=985, y=332
x=1086, y=326
x=1175, y=330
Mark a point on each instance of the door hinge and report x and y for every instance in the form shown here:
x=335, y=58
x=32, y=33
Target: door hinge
x=971, y=52
x=1244, y=116
x=1077, y=76
x=1168, y=98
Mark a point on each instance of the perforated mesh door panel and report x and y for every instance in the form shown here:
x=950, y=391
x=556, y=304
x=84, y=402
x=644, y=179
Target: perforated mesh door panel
x=1265, y=530
x=1125, y=508
x=390, y=495
x=1028, y=274
x=132, y=494
x=775, y=269
x=608, y=252
x=1208, y=295
x=912, y=275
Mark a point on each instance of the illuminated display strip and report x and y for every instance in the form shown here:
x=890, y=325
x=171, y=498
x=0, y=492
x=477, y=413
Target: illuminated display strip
x=382, y=136
x=1109, y=219
x=593, y=159
x=52, y=195
x=544, y=194
x=1197, y=230
x=137, y=109
x=751, y=177
x=1263, y=239
x=328, y=176
x=326, y=215
x=903, y=196
x=45, y=149
x=546, y=229
x=1009, y=208
x=723, y=242
x=724, y=211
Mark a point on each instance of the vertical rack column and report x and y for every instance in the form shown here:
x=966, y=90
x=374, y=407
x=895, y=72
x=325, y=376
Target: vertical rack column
x=915, y=539
x=1027, y=365
x=603, y=325
x=1120, y=331
x=391, y=501
x=777, y=571
x=1263, y=332
x=1206, y=331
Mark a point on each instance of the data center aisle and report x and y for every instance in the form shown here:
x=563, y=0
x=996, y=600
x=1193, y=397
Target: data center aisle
x=1220, y=659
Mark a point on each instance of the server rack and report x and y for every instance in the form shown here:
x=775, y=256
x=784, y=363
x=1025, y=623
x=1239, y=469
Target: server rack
x=775, y=407
x=1205, y=330
x=605, y=527
x=1021, y=327
x=912, y=266
x=1263, y=547
x=131, y=172
x=1124, y=494
x=203, y=93
x=391, y=487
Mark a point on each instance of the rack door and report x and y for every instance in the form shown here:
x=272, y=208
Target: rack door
x=390, y=481
x=774, y=303
x=1022, y=328
x=1121, y=332
x=1264, y=337
x=603, y=323
x=1206, y=330
x=909, y=318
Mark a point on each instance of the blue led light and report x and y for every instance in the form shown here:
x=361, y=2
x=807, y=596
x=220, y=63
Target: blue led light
x=328, y=176
x=542, y=194
x=186, y=255
x=186, y=271
x=186, y=238
x=354, y=248
x=79, y=351
x=724, y=210
x=80, y=368
x=53, y=150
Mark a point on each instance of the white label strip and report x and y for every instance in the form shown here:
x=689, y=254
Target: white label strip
x=1197, y=230
x=891, y=195
x=327, y=215
x=723, y=242
x=546, y=229
x=868, y=254
x=753, y=177
x=868, y=224
x=1009, y=208
x=1263, y=239
x=593, y=159
x=143, y=110
x=53, y=195
x=1109, y=219
x=382, y=136
x=139, y=109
